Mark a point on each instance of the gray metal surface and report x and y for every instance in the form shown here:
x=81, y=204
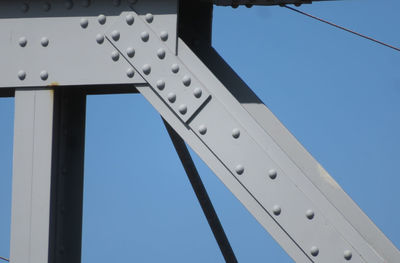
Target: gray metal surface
x=250, y=3
x=53, y=43
x=31, y=176
x=253, y=158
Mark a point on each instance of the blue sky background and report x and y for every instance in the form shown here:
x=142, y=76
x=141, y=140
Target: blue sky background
x=337, y=93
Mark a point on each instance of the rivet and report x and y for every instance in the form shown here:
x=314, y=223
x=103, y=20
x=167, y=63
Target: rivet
x=102, y=19
x=115, y=35
x=23, y=41
x=44, y=75
x=68, y=4
x=161, y=53
x=197, y=92
x=149, y=18
x=130, y=72
x=84, y=22
x=186, y=80
x=46, y=6
x=310, y=214
x=347, y=254
x=146, y=69
x=130, y=51
x=171, y=97
x=164, y=35
x=277, y=210
x=160, y=84
x=100, y=38
x=115, y=55
x=85, y=3
x=24, y=7
x=44, y=41
x=239, y=169
x=21, y=75
x=145, y=36
x=202, y=129
x=116, y=2
x=314, y=251
x=235, y=133
x=175, y=68
x=130, y=19
x=272, y=173
x=182, y=109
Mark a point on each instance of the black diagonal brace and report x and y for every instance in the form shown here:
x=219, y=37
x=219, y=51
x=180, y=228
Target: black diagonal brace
x=202, y=195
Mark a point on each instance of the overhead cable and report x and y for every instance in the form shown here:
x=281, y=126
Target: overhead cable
x=343, y=28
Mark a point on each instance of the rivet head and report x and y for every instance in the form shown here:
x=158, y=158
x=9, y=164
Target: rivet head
x=130, y=19
x=182, y=109
x=68, y=4
x=171, y=97
x=175, y=68
x=145, y=36
x=146, y=69
x=186, y=80
x=44, y=75
x=161, y=53
x=310, y=214
x=46, y=6
x=235, y=133
x=160, y=84
x=102, y=19
x=115, y=55
x=130, y=51
x=202, y=129
x=164, y=35
x=21, y=75
x=44, y=41
x=130, y=72
x=115, y=35
x=314, y=251
x=116, y=2
x=99, y=38
x=272, y=173
x=239, y=169
x=23, y=41
x=149, y=18
x=347, y=254
x=197, y=92
x=24, y=7
x=276, y=210
x=84, y=22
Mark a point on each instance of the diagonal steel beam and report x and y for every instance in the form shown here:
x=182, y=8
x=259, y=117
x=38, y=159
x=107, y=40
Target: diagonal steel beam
x=202, y=195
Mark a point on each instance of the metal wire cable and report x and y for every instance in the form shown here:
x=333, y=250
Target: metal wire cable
x=343, y=28
x=5, y=259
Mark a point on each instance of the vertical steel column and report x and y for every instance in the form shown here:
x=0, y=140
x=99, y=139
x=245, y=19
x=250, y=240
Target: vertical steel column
x=30, y=214
x=48, y=176
x=202, y=196
x=67, y=176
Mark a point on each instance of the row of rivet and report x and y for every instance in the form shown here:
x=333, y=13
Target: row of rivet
x=23, y=41
x=272, y=173
x=146, y=68
x=44, y=75
x=69, y=4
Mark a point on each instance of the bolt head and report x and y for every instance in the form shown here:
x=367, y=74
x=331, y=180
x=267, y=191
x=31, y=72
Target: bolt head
x=314, y=251
x=130, y=72
x=186, y=80
x=130, y=51
x=149, y=18
x=23, y=41
x=197, y=92
x=347, y=254
x=164, y=35
x=102, y=19
x=202, y=129
x=115, y=35
x=272, y=173
x=21, y=75
x=239, y=169
x=115, y=55
x=182, y=109
x=44, y=75
x=130, y=19
x=175, y=68
x=84, y=22
x=146, y=69
x=277, y=210
x=310, y=214
x=99, y=38
x=145, y=36
x=161, y=53
x=171, y=97
x=160, y=84
x=44, y=41
x=235, y=133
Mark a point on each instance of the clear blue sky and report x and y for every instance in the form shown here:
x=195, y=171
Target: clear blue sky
x=337, y=93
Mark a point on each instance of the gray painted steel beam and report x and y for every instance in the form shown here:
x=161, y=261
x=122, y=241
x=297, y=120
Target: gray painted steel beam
x=47, y=176
x=31, y=176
